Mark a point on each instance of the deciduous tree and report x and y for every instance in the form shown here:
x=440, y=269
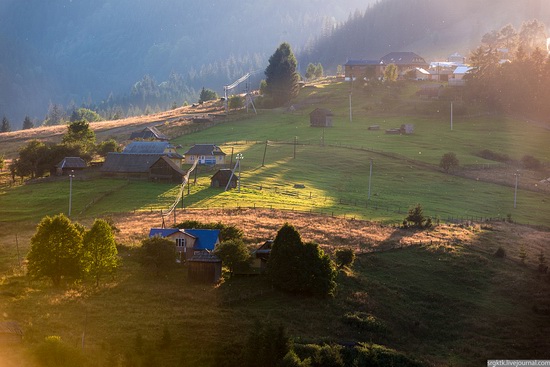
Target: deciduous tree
x=100, y=252
x=233, y=253
x=56, y=250
x=159, y=253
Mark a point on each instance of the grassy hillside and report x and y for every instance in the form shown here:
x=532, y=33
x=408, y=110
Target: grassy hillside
x=334, y=164
x=440, y=297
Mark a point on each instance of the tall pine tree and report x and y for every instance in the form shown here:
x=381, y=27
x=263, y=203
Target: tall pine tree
x=281, y=76
x=27, y=123
x=5, y=125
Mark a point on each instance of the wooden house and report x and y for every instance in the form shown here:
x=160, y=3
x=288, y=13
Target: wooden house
x=189, y=241
x=69, y=164
x=10, y=333
x=359, y=69
x=320, y=117
x=209, y=154
x=204, y=267
x=404, y=61
x=222, y=178
x=148, y=133
x=145, y=160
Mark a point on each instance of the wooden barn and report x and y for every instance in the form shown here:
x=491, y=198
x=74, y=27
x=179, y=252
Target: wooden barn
x=69, y=164
x=148, y=133
x=204, y=267
x=222, y=177
x=320, y=117
x=10, y=333
x=261, y=255
x=164, y=169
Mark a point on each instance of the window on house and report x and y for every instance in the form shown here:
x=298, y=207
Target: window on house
x=180, y=242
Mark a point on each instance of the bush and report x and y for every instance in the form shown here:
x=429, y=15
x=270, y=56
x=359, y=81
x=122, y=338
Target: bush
x=530, y=162
x=345, y=257
x=493, y=156
x=54, y=353
x=364, y=321
x=449, y=161
x=417, y=218
x=500, y=253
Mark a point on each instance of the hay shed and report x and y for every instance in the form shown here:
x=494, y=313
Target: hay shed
x=204, y=267
x=320, y=117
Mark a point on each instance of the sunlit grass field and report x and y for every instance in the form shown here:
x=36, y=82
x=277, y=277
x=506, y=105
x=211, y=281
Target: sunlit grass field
x=332, y=165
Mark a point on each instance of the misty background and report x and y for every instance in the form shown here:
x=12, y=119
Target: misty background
x=125, y=54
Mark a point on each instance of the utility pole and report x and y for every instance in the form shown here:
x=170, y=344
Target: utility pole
x=516, y=189
x=265, y=152
x=71, y=176
x=239, y=158
x=295, y=141
x=451, y=116
x=370, y=178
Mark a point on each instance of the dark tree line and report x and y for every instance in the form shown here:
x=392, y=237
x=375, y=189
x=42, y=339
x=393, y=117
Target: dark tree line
x=511, y=71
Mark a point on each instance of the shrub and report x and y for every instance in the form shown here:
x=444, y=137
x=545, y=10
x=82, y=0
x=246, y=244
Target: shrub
x=52, y=352
x=530, y=162
x=364, y=321
x=449, y=161
x=345, y=257
x=500, y=253
x=494, y=156
x=417, y=218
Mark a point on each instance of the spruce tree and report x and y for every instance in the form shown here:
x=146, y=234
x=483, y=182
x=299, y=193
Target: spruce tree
x=27, y=123
x=281, y=76
x=6, y=127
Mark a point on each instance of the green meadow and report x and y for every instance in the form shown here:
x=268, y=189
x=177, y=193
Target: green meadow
x=332, y=165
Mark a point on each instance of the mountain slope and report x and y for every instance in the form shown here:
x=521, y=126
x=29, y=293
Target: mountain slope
x=430, y=28
x=67, y=50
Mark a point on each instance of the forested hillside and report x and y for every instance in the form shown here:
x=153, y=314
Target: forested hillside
x=430, y=28
x=61, y=51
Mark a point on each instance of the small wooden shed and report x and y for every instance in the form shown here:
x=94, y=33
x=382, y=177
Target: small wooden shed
x=10, y=333
x=69, y=164
x=222, y=177
x=204, y=267
x=320, y=117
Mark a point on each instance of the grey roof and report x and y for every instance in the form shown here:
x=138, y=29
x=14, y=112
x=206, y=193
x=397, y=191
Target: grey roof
x=147, y=147
x=150, y=147
x=322, y=111
x=149, y=132
x=224, y=174
x=71, y=162
x=171, y=163
x=205, y=256
x=204, y=149
x=361, y=62
x=403, y=58
x=129, y=163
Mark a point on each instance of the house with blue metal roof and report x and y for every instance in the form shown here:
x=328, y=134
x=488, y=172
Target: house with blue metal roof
x=189, y=241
